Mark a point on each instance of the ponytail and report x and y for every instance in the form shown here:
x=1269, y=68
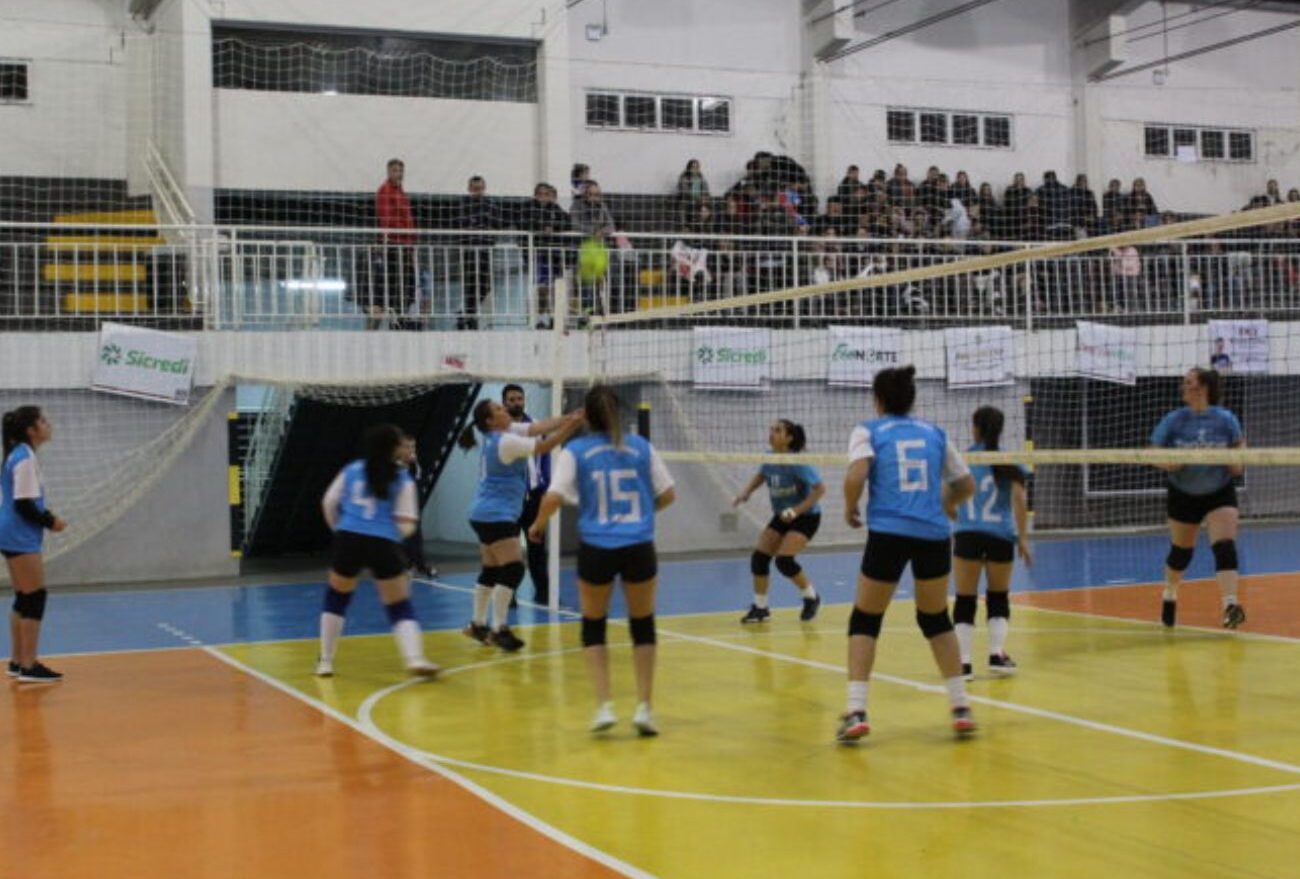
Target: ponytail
x=482, y=415
x=602, y=408
x=989, y=422
x=380, y=448
x=16, y=423
x=798, y=438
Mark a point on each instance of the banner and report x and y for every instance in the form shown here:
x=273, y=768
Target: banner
x=149, y=364
x=1239, y=345
x=858, y=353
x=980, y=357
x=731, y=357
x=1105, y=352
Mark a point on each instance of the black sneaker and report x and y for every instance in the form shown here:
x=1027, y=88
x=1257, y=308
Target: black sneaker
x=1233, y=615
x=13, y=669
x=853, y=726
x=506, y=640
x=38, y=673
x=810, y=607
x=1001, y=664
x=481, y=634
x=757, y=614
x=967, y=671
x=1169, y=613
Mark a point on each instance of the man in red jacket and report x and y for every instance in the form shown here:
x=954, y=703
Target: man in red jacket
x=393, y=287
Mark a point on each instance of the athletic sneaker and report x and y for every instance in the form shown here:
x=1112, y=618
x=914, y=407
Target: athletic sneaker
x=757, y=614
x=324, y=668
x=644, y=721
x=1001, y=664
x=1168, y=612
x=422, y=668
x=481, y=634
x=1233, y=615
x=853, y=726
x=38, y=673
x=967, y=671
x=506, y=640
x=810, y=607
x=604, y=718
x=963, y=721
x=13, y=669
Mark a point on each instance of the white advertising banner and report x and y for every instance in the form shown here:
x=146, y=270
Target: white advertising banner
x=731, y=357
x=149, y=364
x=980, y=357
x=858, y=353
x=1239, y=345
x=1105, y=352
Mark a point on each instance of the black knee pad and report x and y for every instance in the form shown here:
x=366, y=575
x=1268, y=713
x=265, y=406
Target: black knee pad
x=788, y=566
x=1225, y=555
x=489, y=575
x=963, y=609
x=399, y=610
x=643, y=629
x=1179, y=557
x=760, y=564
x=934, y=624
x=998, y=604
x=511, y=575
x=861, y=623
x=30, y=605
x=593, y=631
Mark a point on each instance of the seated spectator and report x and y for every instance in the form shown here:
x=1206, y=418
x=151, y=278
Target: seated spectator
x=962, y=190
x=927, y=192
x=692, y=189
x=899, y=189
x=1030, y=222
x=848, y=184
x=1112, y=205
x=1055, y=202
x=1273, y=192
x=1292, y=194
x=1139, y=200
x=1016, y=196
x=835, y=220
x=578, y=178
x=1083, y=204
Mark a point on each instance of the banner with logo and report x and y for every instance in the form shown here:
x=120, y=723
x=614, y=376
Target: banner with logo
x=858, y=353
x=1105, y=352
x=980, y=357
x=731, y=357
x=1239, y=345
x=149, y=364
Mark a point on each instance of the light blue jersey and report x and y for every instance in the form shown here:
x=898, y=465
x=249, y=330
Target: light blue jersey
x=362, y=513
x=614, y=487
x=16, y=533
x=502, y=478
x=790, y=484
x=910, y=462
x=1212, y=428
x=989, y=509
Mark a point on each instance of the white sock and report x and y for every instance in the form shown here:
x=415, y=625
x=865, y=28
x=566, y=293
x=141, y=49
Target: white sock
x=760, y=601
x=1170, y=593
x=409, y=642
x=998, y=628
x=1227, y=586
x=482, y=596
x=965, y=637
x=810, y=592
x=858, y=695
x=501, y=596
x=331, y=627
x=956, y=688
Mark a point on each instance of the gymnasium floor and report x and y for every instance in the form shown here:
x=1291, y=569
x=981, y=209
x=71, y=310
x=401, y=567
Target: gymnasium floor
x=190, y=738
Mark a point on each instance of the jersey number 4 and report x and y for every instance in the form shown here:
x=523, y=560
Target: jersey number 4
x=616, y=487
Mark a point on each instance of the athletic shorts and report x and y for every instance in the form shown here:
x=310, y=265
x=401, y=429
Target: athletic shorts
x=354, y=552
x=980, y=546
x=599, y=566
x=1191, y=509
x=490, y=532
x=807, y=524
x=887, y=555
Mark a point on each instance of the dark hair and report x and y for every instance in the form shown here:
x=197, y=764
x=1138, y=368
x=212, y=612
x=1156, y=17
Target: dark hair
x=602, y=407
x=508, y=388
x=798, y=439
x=378, y=446
x=16, y=424
x=989, y=421
x=482, y=412
x=392, y=162
x=1212, y=381
x=895, y=388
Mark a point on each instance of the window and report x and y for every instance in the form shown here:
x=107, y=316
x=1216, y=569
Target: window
x=715, y=115
x=1206, y=143
x=966, y=130
x=13, y=82
x=933, y=127
x=640, y=111
x=997, y=131
x=1157, y=141
x=678, y=114
x=602, y=110
x=1241, y=146
x=901, y=126
x=1212, y=144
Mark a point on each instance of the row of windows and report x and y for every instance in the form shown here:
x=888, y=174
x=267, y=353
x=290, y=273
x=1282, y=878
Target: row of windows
x=943, y=127
x=13, y=81
x=1199, y=144
x=642, y=112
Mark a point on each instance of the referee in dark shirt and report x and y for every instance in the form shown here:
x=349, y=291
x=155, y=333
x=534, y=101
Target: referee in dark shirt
x=539, y=479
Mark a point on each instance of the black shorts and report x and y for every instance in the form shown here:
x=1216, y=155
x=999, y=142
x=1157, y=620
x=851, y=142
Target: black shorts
x=490, y=532
x=887, y=555
x=807, y=524
x=354, y=552
x=1191, y=509
x=635, y=564
x=979, y=546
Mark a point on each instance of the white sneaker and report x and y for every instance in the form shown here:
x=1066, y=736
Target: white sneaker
x=422, y=668
x=604, y=718
x=644, y=721
x=324, y=668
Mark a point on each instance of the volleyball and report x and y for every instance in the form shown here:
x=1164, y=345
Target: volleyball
x=593, y=260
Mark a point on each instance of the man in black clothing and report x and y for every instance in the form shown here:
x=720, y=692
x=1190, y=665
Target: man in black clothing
x=543, y=215
x=476, y=211
x=539, y=479
x=414, y=544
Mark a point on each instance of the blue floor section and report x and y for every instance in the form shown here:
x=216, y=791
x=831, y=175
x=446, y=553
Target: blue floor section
x=84, y=622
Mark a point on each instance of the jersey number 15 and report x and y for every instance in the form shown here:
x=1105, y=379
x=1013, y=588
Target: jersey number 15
x=618, y=487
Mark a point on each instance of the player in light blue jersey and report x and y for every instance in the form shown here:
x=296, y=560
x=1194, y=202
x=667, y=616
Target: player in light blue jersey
x=498, y=503
x=990, y=527
x=796, y=491
x=24, y=519
x=371, y=507
x=915, y=481
x=1201, y=492
x=618, y=484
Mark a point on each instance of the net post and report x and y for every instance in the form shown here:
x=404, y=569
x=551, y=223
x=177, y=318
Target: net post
x=643, y=420
x=559, y=340
x=1185, y=268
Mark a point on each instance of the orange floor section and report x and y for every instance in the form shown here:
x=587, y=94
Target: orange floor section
x=174, y=764
x=1272, y=603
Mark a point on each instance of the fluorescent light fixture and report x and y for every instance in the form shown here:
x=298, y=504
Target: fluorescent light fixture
x=324, y=285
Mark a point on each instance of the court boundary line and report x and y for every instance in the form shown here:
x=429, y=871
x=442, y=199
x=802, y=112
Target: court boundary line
x=1205, y=630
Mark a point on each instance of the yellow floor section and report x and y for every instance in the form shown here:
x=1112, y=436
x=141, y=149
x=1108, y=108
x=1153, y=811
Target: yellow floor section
x=1120, y=750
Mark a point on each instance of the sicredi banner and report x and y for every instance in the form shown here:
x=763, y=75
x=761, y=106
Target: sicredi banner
x=1239, y=345
x=1105, y=352
x=858, y=353
x=731, y=357
x=980, y=357
x=148, y=364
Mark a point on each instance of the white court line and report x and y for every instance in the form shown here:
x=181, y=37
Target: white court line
x=416, y=757
x=1155, y=626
